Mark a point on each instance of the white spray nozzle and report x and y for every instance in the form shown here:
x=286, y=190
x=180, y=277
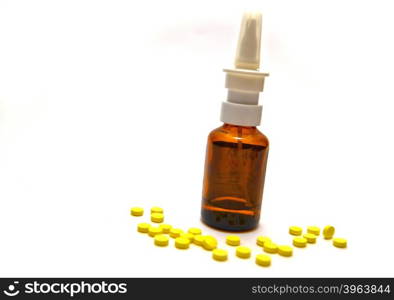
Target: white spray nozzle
x=245, y=81
x=248, y=50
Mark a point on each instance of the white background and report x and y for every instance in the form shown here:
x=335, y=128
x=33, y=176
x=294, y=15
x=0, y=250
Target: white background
x=106, y=105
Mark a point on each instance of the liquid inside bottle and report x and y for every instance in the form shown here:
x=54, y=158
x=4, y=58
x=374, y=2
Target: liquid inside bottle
x=234, y=176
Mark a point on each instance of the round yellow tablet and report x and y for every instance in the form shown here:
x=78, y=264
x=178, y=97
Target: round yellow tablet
x=328, y=232
x=233, y=240
x=262, y=239
x=156, y=209
x=270, y=247
x=188, y=236
x=152, y=231
x=209, y=243
x=285, y=250
x=182, y=243
x=165, y=227
x=219, y=254
x=310, y=238
x=143, y=227
x=175, y=232
x=198, y=240
x=263, y=260
x=157, y=217
x=313, y=229
x=243, y=252
x=194, y=230
x=295, y=230
x=299, y=242
x=339, y=242
x=136, y=211
x=161, y=240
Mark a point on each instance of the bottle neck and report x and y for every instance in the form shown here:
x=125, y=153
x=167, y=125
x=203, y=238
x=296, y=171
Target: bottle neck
x=228, y=126
x=237, y=130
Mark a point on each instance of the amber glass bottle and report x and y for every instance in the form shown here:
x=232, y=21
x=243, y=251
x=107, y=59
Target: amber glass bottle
x=236, y=155
x=235, y=165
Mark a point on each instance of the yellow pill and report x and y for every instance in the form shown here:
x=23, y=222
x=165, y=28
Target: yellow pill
x=143, y=227
x=157, y=217
x=161, y=240
x=136, y=211
x=233, y=240
x=339, y=242
x=285, y=250
x=175, y=232
x=219, y=254
x=194, y=230
x=295, y=230
x=262, y=239
x=243, y=252
x=182, y=243
x=328, y=232
x=299, y=242
x=198, y=240
x=263, y=260
x=188, y=236
x=156, y=209
x=270, y=247
x=313, y=229
x=209, y=243
x=152, y=231
x=165, y=227
x=310, y=238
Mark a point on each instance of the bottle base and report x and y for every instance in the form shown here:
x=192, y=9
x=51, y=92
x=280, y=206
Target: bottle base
x=229, y=221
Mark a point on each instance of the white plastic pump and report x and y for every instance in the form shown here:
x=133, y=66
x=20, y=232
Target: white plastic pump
x=245, y=82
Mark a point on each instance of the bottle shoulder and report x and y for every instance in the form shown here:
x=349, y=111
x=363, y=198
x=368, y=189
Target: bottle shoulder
x=233, y=134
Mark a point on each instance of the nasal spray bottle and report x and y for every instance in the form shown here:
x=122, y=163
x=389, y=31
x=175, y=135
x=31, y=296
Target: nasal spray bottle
x=236, y=156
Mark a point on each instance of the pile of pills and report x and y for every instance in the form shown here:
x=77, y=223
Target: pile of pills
x=312, y=232
x=161, y=234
